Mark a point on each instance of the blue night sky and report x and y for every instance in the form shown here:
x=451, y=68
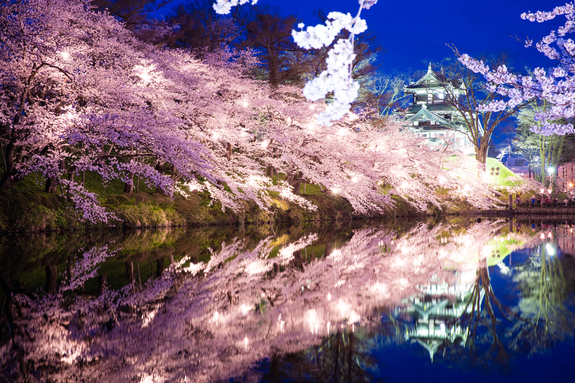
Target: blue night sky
x=416, y=31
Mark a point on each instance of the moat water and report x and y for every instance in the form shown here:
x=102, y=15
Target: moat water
x=409, y=301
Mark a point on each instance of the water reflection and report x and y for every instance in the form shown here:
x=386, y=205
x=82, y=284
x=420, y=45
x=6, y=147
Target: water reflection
x=208, y=305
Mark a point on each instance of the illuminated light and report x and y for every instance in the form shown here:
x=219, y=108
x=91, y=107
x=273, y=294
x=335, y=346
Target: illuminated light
x=65, y=55
x=550, y=249
x=143, y=72
x=216, y=135
x=149, y=318
x=328, y=325
x=335, y=190
x=441, y=180
x=336, y=253
x=244, y=309
x=312, y=320
x=353, y=318
x=339, y=283
x=549, y=190
x=550, y=235
x=343, y=308
x=570, y=184
x=542, y=236
x=265, y=143
x=466, y=188
x=246, y=342
x=245, y=104
x=354, y=179
x=379, y=289
x=328, y=297
x=542, y=190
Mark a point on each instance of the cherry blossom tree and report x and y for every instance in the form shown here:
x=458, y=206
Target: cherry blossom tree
x=74, y=91
x=89, y=96
x=554, y=85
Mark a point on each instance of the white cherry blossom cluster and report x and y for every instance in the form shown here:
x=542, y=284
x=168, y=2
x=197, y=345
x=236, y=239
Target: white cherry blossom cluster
x=225, y=6
x=337, y=78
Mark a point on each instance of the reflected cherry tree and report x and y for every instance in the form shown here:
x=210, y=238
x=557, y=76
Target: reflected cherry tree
x=205, y=321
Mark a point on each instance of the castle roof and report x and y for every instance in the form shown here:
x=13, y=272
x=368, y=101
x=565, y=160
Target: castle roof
x=425, y=114
x=429, y=80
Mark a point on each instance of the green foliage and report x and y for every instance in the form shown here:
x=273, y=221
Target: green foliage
x=504, y=173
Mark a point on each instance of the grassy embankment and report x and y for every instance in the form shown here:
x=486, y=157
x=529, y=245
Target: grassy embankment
x=26, y=207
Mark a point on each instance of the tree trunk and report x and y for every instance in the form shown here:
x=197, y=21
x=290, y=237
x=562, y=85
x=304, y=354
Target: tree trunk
x=327, y=249
x=273, y=68
x=481, y=154
x=130, y=272
x=295, y=181
x=129, y=186
x=101, y=283
x=6, y=180
x=349, y=357
x=159, y=267
x=51, y=279
x=336, y=358
x=70, y=269
x=275, y=370
x=51, y=185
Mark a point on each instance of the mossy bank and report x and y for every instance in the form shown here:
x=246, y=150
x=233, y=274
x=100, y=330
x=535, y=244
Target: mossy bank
x=32, y=210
